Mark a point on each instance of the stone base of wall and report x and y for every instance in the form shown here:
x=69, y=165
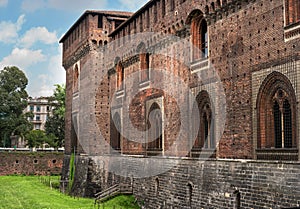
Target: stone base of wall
x=31, y=163
x=198, y=184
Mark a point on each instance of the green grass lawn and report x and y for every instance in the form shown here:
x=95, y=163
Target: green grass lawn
x=27, y=192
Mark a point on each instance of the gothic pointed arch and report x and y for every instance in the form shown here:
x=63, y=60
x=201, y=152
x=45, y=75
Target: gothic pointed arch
x=205, y=139
x=155, y=138
x=276, y=113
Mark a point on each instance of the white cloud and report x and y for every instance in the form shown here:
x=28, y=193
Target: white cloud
x=52, y=74
x=38, y=34
x=3, y=3
x=9, y=30
x=22, y=58
x=66, y=5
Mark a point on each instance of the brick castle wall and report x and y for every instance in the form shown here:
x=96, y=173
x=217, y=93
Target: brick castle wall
x=30, y=163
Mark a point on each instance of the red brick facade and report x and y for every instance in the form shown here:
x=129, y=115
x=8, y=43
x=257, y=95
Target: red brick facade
x=240, y=39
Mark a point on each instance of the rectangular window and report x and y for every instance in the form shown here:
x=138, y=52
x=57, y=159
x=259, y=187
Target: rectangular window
x=31, y=108
x=38, y=108
x=100, y=21
x=163, y=8
x=172, y=5
x=38, y=117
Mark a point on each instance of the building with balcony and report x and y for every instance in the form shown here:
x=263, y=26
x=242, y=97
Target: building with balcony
x=41, y=110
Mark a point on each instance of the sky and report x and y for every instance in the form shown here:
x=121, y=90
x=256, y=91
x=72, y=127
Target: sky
x=31, y=29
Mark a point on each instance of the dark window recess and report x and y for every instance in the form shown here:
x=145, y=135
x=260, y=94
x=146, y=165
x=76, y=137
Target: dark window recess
x=287, y=118
x=100, y=21
x=277, y=125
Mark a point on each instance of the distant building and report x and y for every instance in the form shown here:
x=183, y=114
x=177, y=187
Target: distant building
x=41, y=110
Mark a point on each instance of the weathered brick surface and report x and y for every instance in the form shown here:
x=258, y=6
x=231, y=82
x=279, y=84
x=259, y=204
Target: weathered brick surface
x=31, y=163
x=248, y=40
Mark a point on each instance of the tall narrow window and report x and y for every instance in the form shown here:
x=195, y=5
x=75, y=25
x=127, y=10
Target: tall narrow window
x=154, y=13
x=120, y=76
x=172, y=5
x=163, y=8
x=144, y=66
x=204, y=38
x=199, y=31
x=277, y=125
x=287, y=118
x=115, y=140
x=100, y=21
x=189, y=194
x=141, y=23
x=75, y=78
x=205, y=138
x=155, y=127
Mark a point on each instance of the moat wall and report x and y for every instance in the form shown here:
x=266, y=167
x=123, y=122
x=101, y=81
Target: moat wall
x=199, y=184
x=31, y=163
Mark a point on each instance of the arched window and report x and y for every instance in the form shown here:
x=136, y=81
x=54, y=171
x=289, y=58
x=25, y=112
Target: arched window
x=276, y=105
x=144, y=62
x=115, y=129
x=155, y=140
x=292, y=11
x=205, y=138
x=75, y=78
x=199, y=33
x=120, y=76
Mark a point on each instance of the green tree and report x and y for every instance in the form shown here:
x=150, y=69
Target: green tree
x=35, y=138
x=55, y=124
x=13, y=101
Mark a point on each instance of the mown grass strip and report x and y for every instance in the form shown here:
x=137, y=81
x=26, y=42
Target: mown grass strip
x=27, y=192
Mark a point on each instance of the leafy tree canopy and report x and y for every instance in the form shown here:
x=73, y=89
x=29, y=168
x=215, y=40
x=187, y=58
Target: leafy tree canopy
x=56, y=123
x=13, y=101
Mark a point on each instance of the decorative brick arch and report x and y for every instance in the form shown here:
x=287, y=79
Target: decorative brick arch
x=276, y=113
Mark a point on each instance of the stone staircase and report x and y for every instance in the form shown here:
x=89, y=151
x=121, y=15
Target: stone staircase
x=113, y=191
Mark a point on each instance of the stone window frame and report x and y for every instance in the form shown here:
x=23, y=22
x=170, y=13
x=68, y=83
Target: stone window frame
x=269, y=94
x=290, y=70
